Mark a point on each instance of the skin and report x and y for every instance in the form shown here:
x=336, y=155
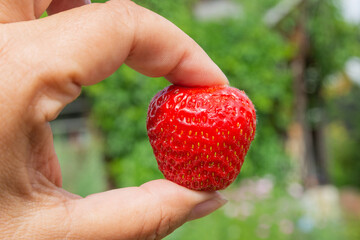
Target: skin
x=44, y=63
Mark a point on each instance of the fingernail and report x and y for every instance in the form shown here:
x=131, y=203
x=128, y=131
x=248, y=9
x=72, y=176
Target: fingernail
x=207, y=207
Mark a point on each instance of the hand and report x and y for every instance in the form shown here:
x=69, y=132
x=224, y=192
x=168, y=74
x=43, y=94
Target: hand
x=44, y=63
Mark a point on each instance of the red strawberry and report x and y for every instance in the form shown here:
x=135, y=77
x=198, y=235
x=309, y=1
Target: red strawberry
x=200, y=136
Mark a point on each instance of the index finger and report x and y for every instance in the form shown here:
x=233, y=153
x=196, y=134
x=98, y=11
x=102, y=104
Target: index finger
x=119, y=30
x=83, y=46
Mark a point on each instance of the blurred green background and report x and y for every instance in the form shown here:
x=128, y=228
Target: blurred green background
x=299, y=62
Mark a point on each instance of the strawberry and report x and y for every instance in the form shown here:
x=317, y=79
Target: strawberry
x=200, y=136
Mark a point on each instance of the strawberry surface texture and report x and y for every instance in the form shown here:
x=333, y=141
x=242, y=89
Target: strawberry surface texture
x=200, y=136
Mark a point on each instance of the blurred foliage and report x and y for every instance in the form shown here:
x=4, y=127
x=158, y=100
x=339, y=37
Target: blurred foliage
x=333, y=42
x=344, y=138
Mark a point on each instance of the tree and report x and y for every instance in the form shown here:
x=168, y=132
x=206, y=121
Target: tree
x=323, y=42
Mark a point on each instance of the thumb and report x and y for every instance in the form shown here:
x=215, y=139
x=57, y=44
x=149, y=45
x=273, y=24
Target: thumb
x=151, y=211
